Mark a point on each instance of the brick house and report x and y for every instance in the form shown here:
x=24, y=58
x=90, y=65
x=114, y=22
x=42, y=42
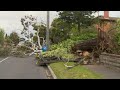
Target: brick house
x=106, y=22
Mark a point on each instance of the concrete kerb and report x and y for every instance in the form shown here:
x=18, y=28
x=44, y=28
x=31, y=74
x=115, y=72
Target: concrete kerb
x=52, y=73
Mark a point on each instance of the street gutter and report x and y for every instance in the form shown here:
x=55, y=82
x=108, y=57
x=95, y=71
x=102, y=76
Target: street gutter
x=52, y=73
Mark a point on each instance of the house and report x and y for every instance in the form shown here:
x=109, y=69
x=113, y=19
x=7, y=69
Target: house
x=106, y=22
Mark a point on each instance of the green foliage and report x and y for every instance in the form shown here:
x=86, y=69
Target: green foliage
x=86, y=33
x=20, y=51
x=65, y=44
x=1, y=36
x=5, y=51
x=15, y=38
x=18, y=54
x=59, y=52
x=117, y=34
x=118, y=38
x=8, y=40
x=28, y=44
x=83, y=37
x=69, y=56
x=63, y=48
x=81, y=18
x=59, y=30
x=65, y=34
x=74, y=39
x=41, y=28
x=35, y=39
x=24, y=49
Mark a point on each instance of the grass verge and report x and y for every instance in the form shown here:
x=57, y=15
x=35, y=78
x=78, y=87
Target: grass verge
x=78, y=72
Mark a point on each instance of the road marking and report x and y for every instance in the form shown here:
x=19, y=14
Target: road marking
x=4, y=59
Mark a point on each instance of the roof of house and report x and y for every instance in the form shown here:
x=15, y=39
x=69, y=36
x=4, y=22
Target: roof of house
x=109, y=19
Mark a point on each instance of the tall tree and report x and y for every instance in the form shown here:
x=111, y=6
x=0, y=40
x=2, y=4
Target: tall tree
x=41, y=32
x=59, y=30
x=81, y=18
x=14, y=37
x=41, y=28
x=8, y=40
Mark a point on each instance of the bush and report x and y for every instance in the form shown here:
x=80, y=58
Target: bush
x=5, y=51
x=18, y=54
x=1, y=36
x=28, y=44
x=20, y=51
x=24, y=49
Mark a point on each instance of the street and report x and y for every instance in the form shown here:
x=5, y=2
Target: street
x=21, y=68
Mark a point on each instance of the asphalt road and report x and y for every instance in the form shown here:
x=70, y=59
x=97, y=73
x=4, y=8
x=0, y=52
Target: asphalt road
x=1, y=58
x=21, y=68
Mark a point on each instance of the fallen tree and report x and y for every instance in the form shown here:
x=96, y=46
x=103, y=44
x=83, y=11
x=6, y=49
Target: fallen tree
x=104, y=43
x=87, y=45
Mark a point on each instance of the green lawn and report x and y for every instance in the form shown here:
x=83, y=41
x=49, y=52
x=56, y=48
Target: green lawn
x=78, y=72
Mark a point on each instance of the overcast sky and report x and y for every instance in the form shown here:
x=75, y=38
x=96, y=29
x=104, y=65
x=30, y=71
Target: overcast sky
x=10, y=20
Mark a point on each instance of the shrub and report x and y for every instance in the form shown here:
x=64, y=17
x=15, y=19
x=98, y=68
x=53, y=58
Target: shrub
x=5, y=51
x=18, y=54
x=24, y=49
x=1, y=36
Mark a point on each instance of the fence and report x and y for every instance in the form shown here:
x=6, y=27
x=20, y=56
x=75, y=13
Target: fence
x=110, y=60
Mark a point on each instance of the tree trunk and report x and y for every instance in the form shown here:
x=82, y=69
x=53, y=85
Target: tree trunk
x=39, y=40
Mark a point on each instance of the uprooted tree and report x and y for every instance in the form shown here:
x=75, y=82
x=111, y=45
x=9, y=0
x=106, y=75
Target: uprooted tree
x=107, y=41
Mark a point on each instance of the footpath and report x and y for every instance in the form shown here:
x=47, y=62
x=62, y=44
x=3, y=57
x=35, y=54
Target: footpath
x=107, y=73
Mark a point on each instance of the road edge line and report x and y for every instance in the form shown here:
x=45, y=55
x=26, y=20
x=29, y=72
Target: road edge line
x=4, y=59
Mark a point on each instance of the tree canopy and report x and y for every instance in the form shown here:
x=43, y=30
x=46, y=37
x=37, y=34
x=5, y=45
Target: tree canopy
x=59, y=30
x=41, y=28
x=81, y=18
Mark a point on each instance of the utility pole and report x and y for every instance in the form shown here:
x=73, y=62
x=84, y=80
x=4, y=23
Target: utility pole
x=47, y=30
